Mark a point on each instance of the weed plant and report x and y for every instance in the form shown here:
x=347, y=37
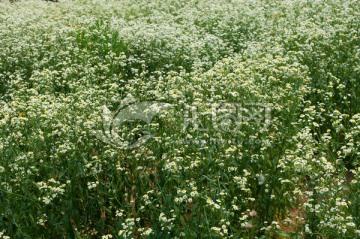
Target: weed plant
x=260, y=136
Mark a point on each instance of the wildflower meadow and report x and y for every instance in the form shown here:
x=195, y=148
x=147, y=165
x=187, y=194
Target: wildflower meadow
x=180, y=119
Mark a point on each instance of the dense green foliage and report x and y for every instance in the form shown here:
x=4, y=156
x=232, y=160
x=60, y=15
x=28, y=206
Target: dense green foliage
x=260, y=136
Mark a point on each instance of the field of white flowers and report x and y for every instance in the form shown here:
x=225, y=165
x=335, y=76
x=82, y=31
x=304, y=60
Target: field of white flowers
x=180, y=119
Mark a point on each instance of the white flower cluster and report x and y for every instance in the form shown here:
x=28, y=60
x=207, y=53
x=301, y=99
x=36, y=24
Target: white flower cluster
x=50, y=189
